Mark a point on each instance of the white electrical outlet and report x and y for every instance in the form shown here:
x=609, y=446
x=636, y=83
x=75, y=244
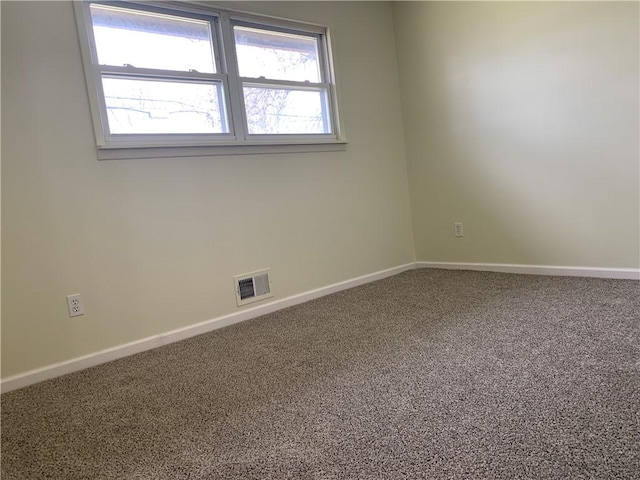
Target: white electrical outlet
x=75, y=305
x=458, y=229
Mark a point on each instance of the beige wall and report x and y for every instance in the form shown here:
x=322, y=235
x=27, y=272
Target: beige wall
x=521, y=121
x=153, y=244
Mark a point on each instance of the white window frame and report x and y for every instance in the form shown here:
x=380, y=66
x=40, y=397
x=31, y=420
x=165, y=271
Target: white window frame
x=237, y=140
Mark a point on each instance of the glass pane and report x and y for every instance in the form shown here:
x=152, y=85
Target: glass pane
x=151, y=40
x=154, y=106
x=277, y=55
x=283, y=110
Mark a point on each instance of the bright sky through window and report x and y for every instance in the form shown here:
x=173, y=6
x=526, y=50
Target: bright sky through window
x=151, y=40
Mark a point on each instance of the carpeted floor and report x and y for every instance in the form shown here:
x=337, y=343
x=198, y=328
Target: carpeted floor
x=429, y=374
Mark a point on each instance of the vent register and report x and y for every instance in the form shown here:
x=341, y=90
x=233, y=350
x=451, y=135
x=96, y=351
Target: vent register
x=252, y=287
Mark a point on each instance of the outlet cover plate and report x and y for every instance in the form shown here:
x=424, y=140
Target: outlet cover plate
x=75, y=305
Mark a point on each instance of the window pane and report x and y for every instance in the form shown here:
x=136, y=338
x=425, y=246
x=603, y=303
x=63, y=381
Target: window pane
x=153, y=106
x=283, y=110
x=277, y=55
x=151, y=40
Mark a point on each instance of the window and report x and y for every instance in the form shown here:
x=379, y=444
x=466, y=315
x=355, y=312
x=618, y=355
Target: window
x=172, y=74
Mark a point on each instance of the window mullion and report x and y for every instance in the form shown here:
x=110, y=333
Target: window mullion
x=236, y=110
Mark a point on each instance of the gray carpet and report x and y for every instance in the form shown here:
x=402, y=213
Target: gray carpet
x=429, y=374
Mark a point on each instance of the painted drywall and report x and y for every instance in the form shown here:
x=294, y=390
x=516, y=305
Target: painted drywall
x=153, y=245
x=521, y=121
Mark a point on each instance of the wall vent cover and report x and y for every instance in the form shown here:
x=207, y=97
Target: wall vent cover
x=252, y=287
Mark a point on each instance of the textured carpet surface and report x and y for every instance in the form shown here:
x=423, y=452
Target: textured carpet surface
x=429, y=374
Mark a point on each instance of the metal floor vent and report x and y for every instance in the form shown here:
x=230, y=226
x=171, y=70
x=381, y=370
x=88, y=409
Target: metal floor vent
x=252, y=287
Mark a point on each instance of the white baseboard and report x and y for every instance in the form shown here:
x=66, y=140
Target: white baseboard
x=58, y=369
x=80, y=363
x=618, y=273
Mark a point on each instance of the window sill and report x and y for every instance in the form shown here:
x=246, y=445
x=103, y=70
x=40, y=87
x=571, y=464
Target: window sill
x=218, y=150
